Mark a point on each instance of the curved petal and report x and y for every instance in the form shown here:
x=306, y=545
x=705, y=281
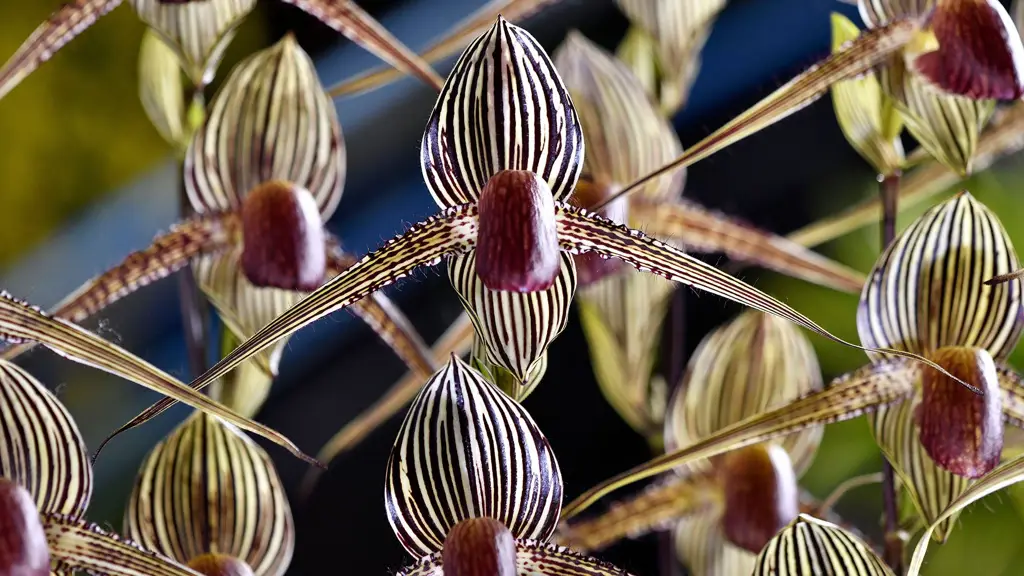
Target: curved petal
x=657, y=507
x=161, y=90
x=503, y=108
x=270, y=121
x=753, y=364
x=76, y=545
x=20, y=322
x=930, y=487
x=812, y=546
x=515, y=328
x=703, y=548
x=580, y=231
x=847, y=397
x=209, y=489
x=621, y=317
x=946, y=125
x=457, y=38
x=865, y=113
x=61, y=27
x=197, y=31
x=466, y=450
x=699, y=229
x=533, y=558
x=926, y=290
x=626, y=136
x=40, y=445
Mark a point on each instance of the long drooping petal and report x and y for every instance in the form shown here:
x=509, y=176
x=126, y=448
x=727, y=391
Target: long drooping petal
x=751, y=365
x=533, y=558
x=207, y=489
x=1005, y=475
x=865, y=113
x=626, y=136
x=461, y=35
x=927, y=290
x=503, y=107
x=76, y=545
x=457, y=340
x=41, y=448
x=20, y=322
x=657, y=507
x=515, y=329
x=847, y=397
x=449, y=233
x=700, y=229
x=580, y=231
x=270, y=121
x=812, y=546
x=197, y=31
x=169, y=253
x=867, y=51
x=61, y=27
x=357, y=25
x=466, y=450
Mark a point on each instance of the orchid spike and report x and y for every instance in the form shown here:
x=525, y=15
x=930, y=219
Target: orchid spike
x=475, y=138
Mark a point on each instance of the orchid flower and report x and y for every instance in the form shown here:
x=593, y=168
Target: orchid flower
x=258, y=240
x=723, y=511
x=21, y=323
x=207, y=490
x=473, y=487
x=505, y=226
x=622, y=310
x=663, y=45
x=200, y=30
x=925, y=295
x=812, y=546
x=46, y=482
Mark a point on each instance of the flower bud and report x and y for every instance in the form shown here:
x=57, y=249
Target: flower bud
x=761, y=495
x=219, y=565
x=479, y=547
x=283, y=238
x=517, y=247
x=962, y=431
x=23, y=548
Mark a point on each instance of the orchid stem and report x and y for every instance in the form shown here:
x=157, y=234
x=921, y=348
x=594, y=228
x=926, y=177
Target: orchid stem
x=889, y=189
x=194, y=313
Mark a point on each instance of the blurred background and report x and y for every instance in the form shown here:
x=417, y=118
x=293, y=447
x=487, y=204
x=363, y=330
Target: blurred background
x=87, y=180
